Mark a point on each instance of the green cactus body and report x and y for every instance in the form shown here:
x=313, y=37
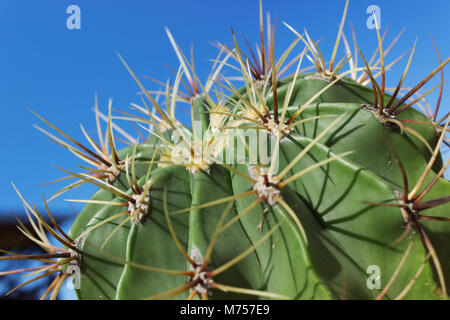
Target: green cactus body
x=329, y=201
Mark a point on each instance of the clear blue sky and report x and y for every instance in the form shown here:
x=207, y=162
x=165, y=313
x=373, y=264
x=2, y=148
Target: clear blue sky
x=57, y=71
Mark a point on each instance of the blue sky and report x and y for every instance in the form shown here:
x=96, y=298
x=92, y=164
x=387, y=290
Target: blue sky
x=57, y=71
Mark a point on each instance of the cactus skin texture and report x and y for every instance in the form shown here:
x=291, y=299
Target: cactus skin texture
x=355, y=184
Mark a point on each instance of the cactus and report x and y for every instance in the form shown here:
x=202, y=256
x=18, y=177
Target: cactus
x=337, y=178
